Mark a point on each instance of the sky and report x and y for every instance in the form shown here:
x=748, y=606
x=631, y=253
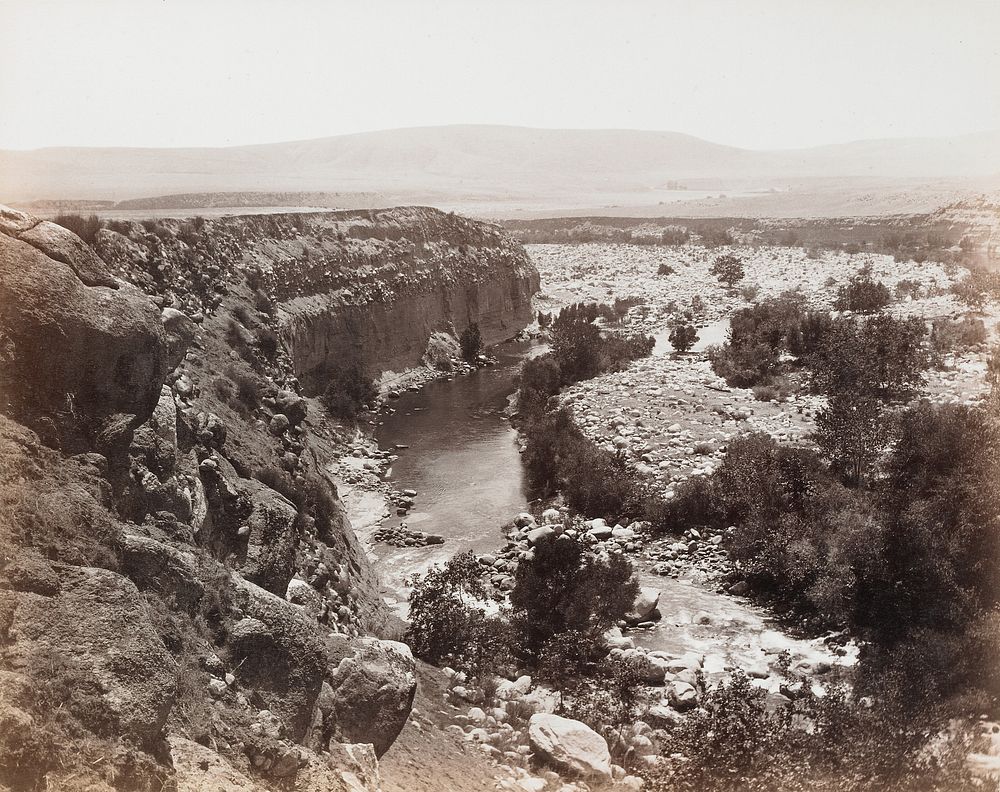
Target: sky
x=752, y=73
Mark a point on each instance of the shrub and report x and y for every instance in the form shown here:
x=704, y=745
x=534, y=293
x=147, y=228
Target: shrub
x=735, y=743
x=564, y=587
x=749, y=293
x=247, y=388
x=471, y=343
x=682, y=337
x=267, y=342
x=765, y=393
x=224, y=389
x=84, y=227
x=447, y=627
x=349, y=389
x=862, y=294
x=728, y=269
x=665, y=269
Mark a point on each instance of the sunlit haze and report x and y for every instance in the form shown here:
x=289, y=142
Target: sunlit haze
x=767, y=74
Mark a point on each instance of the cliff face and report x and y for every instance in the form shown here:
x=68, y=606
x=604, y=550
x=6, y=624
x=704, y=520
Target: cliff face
x=176, y=567
x=370, y=286
x=416, y=271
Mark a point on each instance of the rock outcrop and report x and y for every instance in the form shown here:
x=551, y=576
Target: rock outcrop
x=182, y=598
x=97, y=625
x=82, y=357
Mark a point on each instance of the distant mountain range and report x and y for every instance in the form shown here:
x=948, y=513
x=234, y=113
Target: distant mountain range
x=462, y=164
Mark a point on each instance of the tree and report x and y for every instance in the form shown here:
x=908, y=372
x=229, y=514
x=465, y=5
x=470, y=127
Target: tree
x=728, y=269
x=349, y=388
x=851, y=430
x=880, y=356
x=862, y=294
x=564, y=587
x=446, y=627
x=683, y=336
x=471, y=342
x=576, y=344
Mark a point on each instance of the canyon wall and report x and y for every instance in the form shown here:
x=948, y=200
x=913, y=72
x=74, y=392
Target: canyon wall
x=181, y=592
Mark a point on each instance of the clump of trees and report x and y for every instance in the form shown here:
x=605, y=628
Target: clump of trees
x=762, y=333
x=910, y=562
x=471, y=343
x=350, y=388
x=728, y=269
x=683, y=336
x=557, y=456
x=863, y=294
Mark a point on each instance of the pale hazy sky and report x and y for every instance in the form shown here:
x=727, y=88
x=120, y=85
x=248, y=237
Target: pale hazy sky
x=754, y=73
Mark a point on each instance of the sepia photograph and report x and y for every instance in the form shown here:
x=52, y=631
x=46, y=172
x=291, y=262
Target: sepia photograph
x=499, y=395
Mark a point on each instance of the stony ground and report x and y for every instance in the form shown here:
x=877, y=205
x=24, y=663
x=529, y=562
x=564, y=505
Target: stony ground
x=672, y=416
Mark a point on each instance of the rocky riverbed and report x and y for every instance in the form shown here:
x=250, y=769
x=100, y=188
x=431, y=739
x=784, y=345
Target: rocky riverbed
x=672, y=416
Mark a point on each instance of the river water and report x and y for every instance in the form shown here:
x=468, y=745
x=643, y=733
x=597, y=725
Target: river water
x=462, y=460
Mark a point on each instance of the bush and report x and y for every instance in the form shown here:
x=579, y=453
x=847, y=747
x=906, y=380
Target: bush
x=247, y=389
x=728, y=269
x=446, y=628
x=471, y=343
x=267, y=342
x=682, y=337
x=665, y=269
x=564, y=588
x=84, y=227
x=735, y=743
x=349, y=390
x=862, y=295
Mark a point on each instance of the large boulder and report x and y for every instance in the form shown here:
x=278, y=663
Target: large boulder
x=372, y=693
x=276, y=651
x=82, y=356
x=97, y=624
x=170, y=572
x=271, y=534
x=644, y=608
x=198, y=769
x=568, y=746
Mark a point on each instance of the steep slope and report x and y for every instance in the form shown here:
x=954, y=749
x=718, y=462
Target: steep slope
x=183, y=602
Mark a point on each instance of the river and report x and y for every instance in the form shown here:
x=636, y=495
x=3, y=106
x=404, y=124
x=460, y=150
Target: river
x=462, y=460
x=461, y=457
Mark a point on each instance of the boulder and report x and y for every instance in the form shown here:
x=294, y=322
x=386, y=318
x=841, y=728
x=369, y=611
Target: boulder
x=269, y=557
x=197, y=769
x=276, y=651
x=683, y=696
x=180, y=331
x=536, y=535
x=168, y=571
x=62, y=245
x=373, y=692
x=644, y=606
x=98, y=624
x=292, y=406
x=78, y=357
x=569, y=746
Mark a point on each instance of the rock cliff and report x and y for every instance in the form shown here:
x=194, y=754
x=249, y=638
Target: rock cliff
x=180, y=590
x=370, y=286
